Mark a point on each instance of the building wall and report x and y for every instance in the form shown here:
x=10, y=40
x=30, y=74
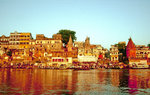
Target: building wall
x=19, y=40
x=86, y=49
x=24, y=40
x=142, y=51
x=114, y=52
x=50, y=44
x=62, y=61
x=14, y=40
x=57, y=37
x=87, y=59
x=4, y=42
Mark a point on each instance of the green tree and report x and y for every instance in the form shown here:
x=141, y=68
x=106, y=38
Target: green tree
x=107, y=54
x=122, y=52
x=148, y=46
x=66, y=34
x=9, y=53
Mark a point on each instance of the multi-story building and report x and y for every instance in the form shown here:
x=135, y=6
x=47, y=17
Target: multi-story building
x=50, y=44
x=4, y=41
x=114, y=52
x=24, y=40
x=14, y=40
x=19, y=40
x=4, y=44
x=86, y=49
x=137, y=51
x=70, y=51
x=57, y=36
x=98, y=50
x=88, y=52
x=142, y=51
x=137, y=55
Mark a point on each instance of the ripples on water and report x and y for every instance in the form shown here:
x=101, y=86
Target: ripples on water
x=82, y=82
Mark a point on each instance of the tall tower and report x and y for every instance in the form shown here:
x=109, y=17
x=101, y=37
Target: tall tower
x=87, y=48
x=131, y=49
x=70, y=44
x=87, y=43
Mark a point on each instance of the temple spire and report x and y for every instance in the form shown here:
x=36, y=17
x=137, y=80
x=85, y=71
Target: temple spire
x=70, y=44
x=131, y=49
x=87, y=43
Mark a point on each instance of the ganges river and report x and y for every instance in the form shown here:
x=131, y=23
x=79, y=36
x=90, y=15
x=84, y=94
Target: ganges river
x=77, y=82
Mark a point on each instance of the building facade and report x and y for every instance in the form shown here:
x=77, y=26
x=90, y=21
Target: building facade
x=142, y=51
x=4, y=44
x=114, y=52
x=19, y=40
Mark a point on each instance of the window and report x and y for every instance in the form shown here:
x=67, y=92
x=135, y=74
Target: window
x=59, y=60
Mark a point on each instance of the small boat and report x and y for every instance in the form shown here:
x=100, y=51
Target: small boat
x=139, y=66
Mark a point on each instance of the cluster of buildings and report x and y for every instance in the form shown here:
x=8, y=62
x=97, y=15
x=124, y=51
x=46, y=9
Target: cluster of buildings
x=23, y=49
x=137, y=55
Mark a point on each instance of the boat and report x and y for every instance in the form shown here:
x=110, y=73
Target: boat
x=139, y=66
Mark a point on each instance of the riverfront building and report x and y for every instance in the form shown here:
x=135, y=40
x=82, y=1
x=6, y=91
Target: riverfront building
x=137, y=55
x=131, y=49
x=142, y=51
x=19, y=40
x=88, y=52
x=137, y=51
x=4, y=44
x=114, y=54
x=86, y=49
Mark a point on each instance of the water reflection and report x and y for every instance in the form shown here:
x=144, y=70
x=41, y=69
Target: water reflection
x=103, y=81
x=139, y=80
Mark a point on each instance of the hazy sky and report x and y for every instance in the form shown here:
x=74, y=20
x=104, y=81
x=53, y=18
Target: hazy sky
x=106, y=22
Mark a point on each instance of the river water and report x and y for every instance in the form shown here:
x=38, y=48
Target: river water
x=77, y=82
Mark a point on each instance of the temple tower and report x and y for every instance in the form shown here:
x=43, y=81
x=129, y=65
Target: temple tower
x=131, y=49
x=70, y=44
x=87, y=43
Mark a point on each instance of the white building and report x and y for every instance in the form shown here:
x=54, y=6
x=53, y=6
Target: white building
x=87, y=59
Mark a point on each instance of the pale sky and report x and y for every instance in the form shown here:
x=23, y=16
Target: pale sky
x=106, y=22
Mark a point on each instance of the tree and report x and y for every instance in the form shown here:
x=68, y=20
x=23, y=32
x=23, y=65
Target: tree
x=66, y=34
x=122, y=52
x=107, y=54
x=9, y=53
x=148, y=46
